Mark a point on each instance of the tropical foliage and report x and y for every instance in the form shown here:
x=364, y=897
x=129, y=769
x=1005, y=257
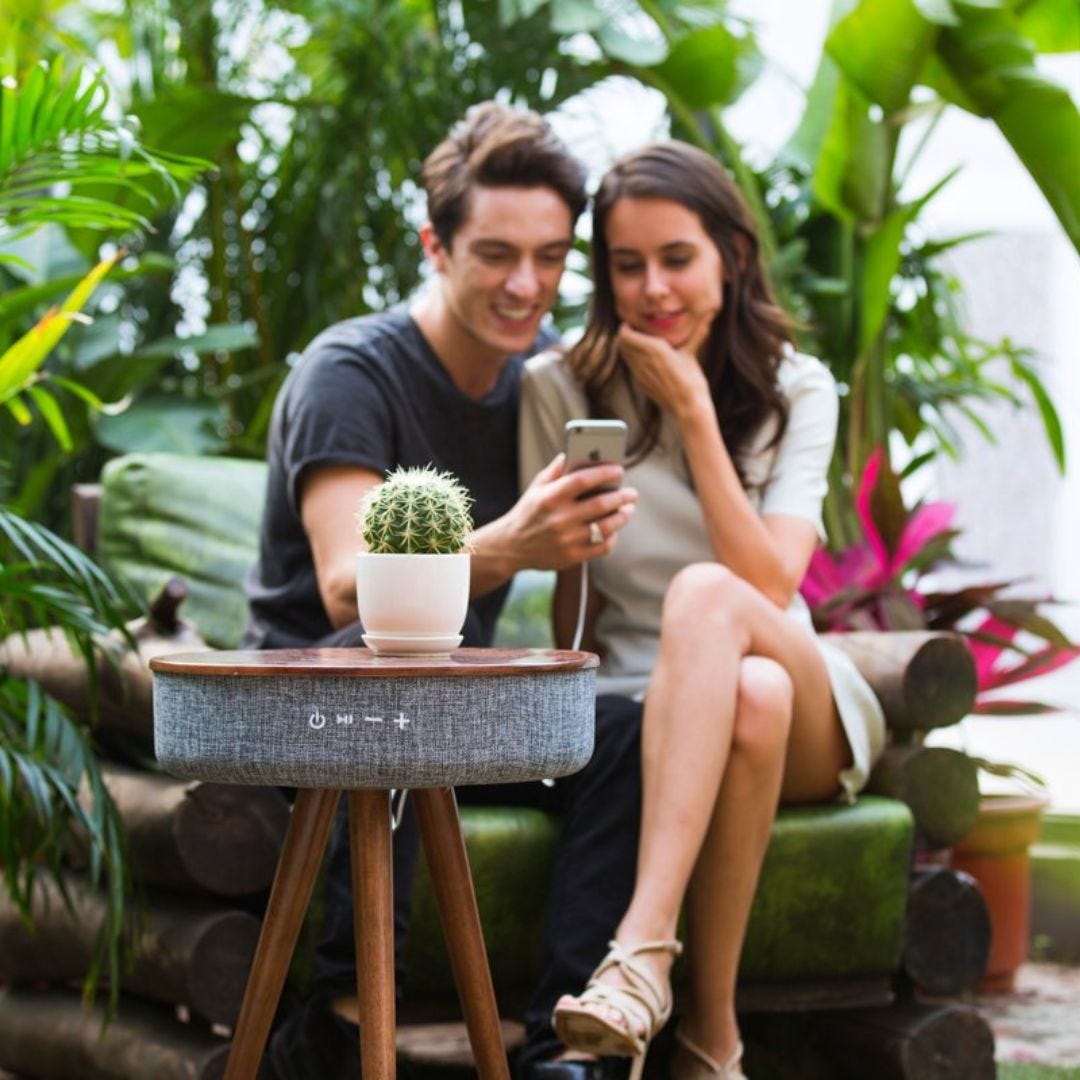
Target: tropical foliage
x=316, y=115
x=59, y=154
x=839, y=226
x=879, y=583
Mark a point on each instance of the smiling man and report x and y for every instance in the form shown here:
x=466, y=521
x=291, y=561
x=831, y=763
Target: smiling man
x=438, y=383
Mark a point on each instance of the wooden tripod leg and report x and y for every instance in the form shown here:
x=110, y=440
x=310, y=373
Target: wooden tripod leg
x=373, y=921
x=444, y=846
x=298, y=866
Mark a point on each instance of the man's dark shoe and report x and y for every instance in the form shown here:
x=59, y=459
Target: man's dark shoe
x=313, y=1043
x=604, y=1069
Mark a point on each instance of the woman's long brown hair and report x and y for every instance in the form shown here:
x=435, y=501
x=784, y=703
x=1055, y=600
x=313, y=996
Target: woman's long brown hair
x=747, y=339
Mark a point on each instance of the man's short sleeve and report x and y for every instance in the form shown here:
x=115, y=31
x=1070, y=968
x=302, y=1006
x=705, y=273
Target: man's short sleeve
x=337, y=413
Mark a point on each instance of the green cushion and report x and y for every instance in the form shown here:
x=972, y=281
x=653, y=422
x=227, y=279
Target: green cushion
x=510, y=854
x=832, y=894
x=172, y=514
x=830, y=902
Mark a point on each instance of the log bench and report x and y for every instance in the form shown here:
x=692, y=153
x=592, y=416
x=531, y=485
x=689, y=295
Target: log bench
x=844, y=930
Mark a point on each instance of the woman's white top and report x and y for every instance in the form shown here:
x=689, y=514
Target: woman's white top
x=668, y=531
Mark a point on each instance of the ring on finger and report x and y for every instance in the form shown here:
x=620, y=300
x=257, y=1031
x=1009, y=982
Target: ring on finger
x=596, y=535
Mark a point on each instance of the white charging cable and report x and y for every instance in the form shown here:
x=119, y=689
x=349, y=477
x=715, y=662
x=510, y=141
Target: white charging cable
x=583, y=599
x=579, y=630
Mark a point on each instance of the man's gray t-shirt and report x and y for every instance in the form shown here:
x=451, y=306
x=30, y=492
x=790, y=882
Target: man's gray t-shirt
x=370, y=392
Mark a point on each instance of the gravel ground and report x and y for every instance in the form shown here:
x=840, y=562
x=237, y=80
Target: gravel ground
x=1039, y=1022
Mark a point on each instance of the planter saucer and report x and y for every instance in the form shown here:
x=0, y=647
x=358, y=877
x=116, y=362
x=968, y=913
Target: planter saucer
x=412, y=644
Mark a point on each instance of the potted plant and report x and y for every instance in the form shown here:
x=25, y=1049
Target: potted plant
x=412, y=582
x=877, y=583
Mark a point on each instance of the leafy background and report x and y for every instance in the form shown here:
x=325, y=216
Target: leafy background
x=190, y=190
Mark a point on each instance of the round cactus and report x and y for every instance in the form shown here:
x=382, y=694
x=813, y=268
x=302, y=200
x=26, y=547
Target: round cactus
x=416, y=511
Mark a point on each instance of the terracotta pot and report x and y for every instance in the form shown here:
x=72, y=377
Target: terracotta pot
x=996, y=854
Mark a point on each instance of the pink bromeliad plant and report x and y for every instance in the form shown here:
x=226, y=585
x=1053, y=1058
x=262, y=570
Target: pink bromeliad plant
x=874, y=584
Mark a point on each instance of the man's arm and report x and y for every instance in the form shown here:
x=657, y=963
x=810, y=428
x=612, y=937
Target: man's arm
x=329, y=499
x=548, y=527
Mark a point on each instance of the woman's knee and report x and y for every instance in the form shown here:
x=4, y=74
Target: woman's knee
x=764, y=708
x=701, y=591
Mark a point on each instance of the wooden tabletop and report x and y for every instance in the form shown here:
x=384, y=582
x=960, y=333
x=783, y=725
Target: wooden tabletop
x=363, y=663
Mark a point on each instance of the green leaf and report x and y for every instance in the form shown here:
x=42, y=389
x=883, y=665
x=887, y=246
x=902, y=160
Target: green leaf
x=225, y=338
x=851, y=175
x=940, y=12
x=195, y=121
x=575, y=16
x=1011, y=707
x=804, y=146
x=1047, y=410
x=78, y=390
x=18, y=409
x=17, y=302
x=27, y=354
x=992, y=64
x=1053, y=26
x=637, y=50
x=1025, y=614
x=882, y=47
x=881, y=260
x=701, y=67
x=31, y=95
x=48, y=408
x=159, y=423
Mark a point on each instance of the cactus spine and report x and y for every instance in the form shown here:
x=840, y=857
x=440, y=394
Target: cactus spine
x=416, y=511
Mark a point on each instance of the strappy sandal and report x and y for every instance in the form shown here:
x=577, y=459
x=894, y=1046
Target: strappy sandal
x=641, y=1003
x=731, y=1071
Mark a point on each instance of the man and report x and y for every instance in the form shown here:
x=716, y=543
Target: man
x=439, y=384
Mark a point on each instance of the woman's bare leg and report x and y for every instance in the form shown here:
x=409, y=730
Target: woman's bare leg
x=714, y=740
x=787, y=745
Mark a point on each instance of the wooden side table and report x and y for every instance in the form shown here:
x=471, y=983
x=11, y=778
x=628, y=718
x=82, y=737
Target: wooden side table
x=332, y=720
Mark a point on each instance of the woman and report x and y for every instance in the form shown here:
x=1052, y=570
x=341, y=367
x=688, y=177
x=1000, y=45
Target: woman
x=731, y=433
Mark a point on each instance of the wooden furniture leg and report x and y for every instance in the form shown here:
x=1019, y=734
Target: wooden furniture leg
x=444, y=847
x=373, y=922
x=298, y=867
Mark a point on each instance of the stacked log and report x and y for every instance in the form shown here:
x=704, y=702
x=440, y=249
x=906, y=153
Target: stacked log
x=908, y=1042
x=188, y=951
x=49, y=1035
x=947, y=932
x=923, y=679
x=939, y=785
x=197, y=849
x=198, y=837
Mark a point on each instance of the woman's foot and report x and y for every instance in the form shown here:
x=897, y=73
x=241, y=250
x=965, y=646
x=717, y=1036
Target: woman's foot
x=627, y=1001
x=690, y=1062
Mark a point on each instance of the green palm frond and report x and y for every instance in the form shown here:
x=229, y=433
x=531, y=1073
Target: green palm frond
x=45, y=757
x=21, y=363
x=46, y=580
x=55, y=130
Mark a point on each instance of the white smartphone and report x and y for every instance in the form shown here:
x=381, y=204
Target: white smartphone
x=594, y=442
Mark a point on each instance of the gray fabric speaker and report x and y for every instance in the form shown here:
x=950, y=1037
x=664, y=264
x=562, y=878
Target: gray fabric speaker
x=339, y=731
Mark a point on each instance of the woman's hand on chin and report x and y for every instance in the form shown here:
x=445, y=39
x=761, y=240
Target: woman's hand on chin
x=672, y=377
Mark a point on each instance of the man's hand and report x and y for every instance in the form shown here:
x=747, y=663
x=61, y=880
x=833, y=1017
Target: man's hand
x=560, y=520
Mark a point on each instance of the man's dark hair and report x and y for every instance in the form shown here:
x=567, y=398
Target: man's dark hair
x=496, y=146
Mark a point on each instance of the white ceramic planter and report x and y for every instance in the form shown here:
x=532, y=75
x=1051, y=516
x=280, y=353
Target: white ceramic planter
x=412, y=604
